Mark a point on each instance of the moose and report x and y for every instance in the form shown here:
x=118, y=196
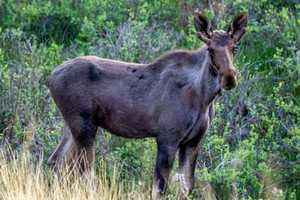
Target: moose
x=170, y=99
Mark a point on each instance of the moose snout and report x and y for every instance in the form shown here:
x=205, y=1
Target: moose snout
x=229, y=82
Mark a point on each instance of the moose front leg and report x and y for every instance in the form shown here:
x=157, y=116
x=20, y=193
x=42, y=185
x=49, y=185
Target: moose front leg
x=165, y=158
x=188, y=154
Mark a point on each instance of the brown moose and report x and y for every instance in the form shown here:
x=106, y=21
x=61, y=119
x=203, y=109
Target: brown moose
x=170, y=99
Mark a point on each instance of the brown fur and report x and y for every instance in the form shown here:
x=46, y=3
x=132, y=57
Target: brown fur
x=170, y=99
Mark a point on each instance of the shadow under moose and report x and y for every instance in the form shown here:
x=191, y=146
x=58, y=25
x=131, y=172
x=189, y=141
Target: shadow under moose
x=170, y=99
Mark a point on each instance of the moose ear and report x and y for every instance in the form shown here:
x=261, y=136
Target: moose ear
x=203, y=27
x=237, y=27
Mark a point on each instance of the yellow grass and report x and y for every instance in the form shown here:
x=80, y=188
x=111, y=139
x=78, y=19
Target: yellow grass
x=20, y=179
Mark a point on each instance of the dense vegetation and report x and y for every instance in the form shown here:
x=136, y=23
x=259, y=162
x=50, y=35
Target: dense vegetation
x=252, y=150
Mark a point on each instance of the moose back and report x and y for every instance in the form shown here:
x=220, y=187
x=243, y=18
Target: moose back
x=170, y=99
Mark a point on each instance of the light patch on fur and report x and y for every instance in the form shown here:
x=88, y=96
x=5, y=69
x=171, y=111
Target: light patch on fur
x=200, y=78
x=194, y=73
x=183, y=185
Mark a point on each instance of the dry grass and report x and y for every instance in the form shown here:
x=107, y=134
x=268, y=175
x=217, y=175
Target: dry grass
x=20, y=179
x=23, y=179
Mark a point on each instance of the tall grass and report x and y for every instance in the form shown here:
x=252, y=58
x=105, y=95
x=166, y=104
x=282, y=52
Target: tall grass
x=22, y=178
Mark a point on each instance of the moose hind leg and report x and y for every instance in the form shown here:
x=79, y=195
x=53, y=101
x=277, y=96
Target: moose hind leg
x=84, y=131
x=164, y=162
x=64, y=152
x=188, y=154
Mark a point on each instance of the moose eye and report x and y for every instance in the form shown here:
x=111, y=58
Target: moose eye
x=234, y=50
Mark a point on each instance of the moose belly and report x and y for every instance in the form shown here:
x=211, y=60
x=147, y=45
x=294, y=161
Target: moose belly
x=127, y=123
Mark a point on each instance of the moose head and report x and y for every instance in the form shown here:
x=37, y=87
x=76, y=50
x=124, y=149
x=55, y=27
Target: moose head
x=222, y=46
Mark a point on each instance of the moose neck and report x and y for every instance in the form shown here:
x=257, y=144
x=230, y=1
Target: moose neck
x=189, y=68
x=207, y=84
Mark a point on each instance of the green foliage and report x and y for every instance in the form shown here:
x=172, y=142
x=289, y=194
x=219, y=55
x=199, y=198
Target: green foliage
x=252, y=149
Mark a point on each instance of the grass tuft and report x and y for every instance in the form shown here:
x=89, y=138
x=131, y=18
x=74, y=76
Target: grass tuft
x=21, y=178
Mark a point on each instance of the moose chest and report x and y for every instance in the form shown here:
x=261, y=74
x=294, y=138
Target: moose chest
x=199, y=127
x=185, y=119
